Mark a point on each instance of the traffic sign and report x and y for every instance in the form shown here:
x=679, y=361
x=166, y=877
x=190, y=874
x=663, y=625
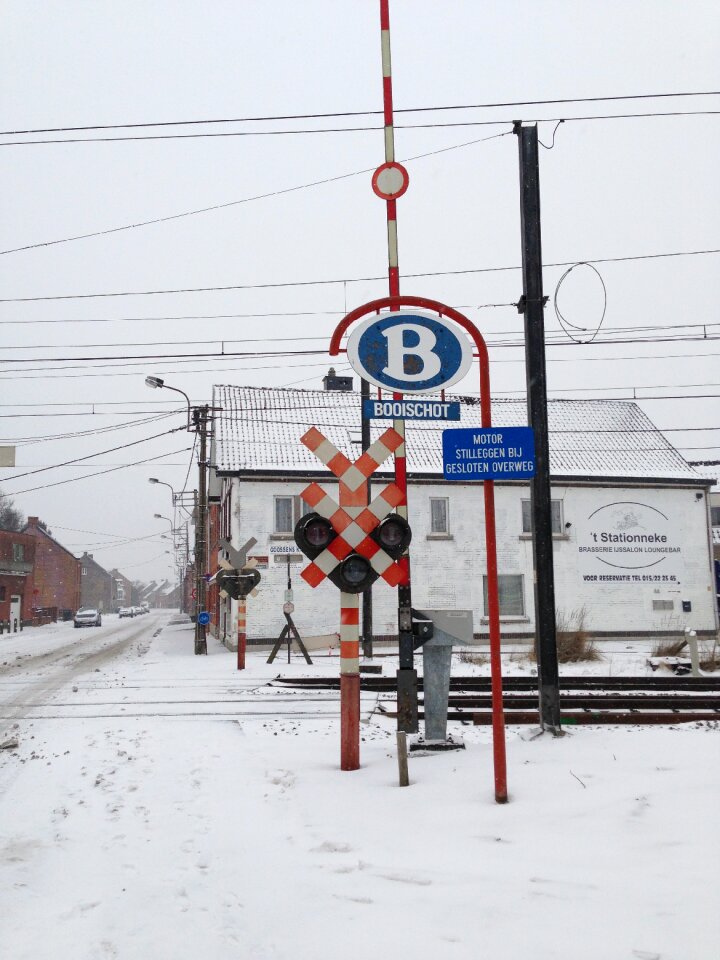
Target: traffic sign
x=390, y=180
x=203, y=618
x=411, y=410
x=489, y=453
x=409, y=351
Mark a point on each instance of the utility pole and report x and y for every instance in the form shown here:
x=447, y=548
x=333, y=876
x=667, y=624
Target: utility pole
x=367, y=604
x=532, y=305
x=201, y=416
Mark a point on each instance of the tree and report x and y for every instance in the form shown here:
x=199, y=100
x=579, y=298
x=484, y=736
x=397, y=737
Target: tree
x=10, y=517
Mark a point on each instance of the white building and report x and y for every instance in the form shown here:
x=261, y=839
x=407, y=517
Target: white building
x=632, y=551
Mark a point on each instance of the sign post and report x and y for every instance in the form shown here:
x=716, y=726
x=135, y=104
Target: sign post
x=345, y=543
x=415, y=365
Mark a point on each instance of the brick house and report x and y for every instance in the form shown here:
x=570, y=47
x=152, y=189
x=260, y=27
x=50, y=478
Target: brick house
x=57, y=571
x=96, y=584
x=17, y=557
x=124, y=592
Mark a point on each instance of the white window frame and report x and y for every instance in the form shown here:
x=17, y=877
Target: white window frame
x=505, y=616
x=276, y=499
x=556, y=507
x=446, y=531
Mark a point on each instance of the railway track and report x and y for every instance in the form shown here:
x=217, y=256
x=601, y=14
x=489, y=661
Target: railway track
x=583, y=700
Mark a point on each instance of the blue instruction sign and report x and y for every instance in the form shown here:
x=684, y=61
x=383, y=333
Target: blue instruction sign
x=203, y=618
x=489, y=453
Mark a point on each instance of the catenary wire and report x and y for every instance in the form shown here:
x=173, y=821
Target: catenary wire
x=58, y=483
x=251, y=199
x=307, y=131
x=99, y=453
x=362, y=113
x=329, y=282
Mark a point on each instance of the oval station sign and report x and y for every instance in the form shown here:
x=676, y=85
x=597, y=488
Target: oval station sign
x=409, y=351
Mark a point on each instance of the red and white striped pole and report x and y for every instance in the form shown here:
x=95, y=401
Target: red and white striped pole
x=242, y=633
x=349, y=681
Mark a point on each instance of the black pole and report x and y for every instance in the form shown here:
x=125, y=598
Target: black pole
x=202, y=414
x=367, y=604
x=532, y=305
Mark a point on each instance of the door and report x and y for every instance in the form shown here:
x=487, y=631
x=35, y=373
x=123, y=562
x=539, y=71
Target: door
x=15, y=608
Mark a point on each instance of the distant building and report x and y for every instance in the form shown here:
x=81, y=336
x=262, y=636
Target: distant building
x=56, y=572
x=17, y=557
x=124, y=591
x=96, y=584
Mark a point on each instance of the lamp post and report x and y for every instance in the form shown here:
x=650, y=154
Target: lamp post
x=198, y=419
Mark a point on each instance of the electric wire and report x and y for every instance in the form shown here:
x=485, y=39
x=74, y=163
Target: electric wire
x=99, y=453
x=360, y=113
x=342, y=280
x=307, y=131
x=100, y=473
x=251, y=199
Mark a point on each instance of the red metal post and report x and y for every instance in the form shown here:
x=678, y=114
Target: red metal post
x=395, y=303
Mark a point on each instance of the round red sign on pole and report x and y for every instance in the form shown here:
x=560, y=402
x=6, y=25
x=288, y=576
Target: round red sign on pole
x=390, y=181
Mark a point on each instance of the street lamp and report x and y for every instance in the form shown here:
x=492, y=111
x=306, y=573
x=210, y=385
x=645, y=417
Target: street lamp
x=157, y=383
x=198, y=419
x=159, y=516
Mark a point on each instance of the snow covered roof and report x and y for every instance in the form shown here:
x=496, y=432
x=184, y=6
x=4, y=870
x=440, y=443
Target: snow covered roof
x=259, y=431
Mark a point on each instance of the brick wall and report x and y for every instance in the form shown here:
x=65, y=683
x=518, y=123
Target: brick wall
x=57, y=571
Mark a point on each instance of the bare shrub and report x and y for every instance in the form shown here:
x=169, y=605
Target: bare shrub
x=476, y=658
x=710, y=657
x=668, y=647
x=574, y=645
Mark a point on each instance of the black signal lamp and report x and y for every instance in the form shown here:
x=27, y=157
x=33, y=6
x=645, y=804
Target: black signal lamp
x=393, y=534
x=313, y=534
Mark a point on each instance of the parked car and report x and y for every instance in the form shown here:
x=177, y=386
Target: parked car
x=126, y=612
x=88, y=617
x=137, y=611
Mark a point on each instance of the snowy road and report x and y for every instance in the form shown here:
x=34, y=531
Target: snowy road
x=163, y=805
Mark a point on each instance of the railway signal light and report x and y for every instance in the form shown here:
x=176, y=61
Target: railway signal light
x=352, y=571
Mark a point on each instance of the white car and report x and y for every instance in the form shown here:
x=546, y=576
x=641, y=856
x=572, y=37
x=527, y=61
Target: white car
x=88, y=617
x=126, y=612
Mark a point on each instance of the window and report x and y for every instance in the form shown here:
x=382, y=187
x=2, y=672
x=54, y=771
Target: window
x=283, y=514
x=439, y=515
x=556, y=513
x=511, y=594
x=715, y=516
x=18, y=551
x=662, y=605
x=84, y=571
x=3, y=595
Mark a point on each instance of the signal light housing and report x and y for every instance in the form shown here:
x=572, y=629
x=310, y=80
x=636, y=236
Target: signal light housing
x=238, y=583
x=393, y=534
x=354, y=574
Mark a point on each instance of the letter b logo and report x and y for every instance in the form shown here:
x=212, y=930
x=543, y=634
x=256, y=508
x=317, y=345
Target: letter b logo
x=411, y=352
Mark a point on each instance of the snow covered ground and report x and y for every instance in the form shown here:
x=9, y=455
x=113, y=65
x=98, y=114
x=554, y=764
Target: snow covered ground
x=161, y=805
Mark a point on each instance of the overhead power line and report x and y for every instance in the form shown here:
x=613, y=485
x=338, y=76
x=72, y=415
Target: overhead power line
x=310, y=131
x=343, y=280
x=91, y=456
x=87, y=476
x=251, y=199
x=359, y=113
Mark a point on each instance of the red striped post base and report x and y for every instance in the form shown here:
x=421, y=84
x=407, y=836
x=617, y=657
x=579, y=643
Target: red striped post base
x=349, y=681
x=242, y=634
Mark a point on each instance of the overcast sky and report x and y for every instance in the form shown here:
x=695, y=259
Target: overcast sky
x=610, y=188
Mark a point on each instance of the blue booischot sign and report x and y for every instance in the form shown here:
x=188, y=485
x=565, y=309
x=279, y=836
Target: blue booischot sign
x=430, y=409
x=409, y=351
x=489, y=453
